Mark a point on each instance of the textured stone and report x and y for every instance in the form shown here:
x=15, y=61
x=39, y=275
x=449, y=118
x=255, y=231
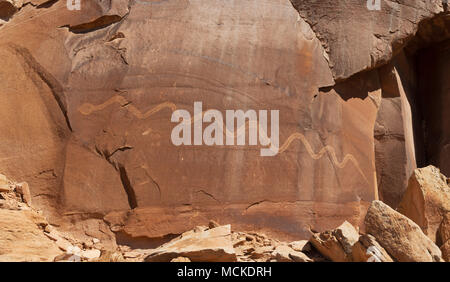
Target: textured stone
x=444, y=230
x=426, y=200
x=85, y=111
x=22, y=237
x=24, y=190
x=180, y=259
x=337, y=244
x=445, y=249
x=213, y=245
x=299, y=246
x=284, y=253
x=395, y=144
x=90, y=254
x=367, y=249
x=351, y=50
x=401, y=237
x=99, y=96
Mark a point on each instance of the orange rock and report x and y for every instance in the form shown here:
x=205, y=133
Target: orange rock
x=212, y=245
x=445, y=248
x=89, y=97
x=444, y=230
x=24, y=190
x=426, y=200
x=337, y=244
x=22, y=237
x=367, y=249
x=180, y=259
x=400, y=236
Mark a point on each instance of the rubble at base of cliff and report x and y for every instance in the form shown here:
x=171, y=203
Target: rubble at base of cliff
x=389, y=236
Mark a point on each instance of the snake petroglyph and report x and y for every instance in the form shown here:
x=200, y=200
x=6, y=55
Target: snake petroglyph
x=87, y=109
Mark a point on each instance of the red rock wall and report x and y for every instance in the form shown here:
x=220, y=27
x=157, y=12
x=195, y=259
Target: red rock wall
x=93, y=135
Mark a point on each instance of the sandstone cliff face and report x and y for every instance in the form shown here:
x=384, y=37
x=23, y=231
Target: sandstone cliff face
x=87, y=98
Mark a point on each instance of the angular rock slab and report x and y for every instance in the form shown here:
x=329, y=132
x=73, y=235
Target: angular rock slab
x=427, y=200
x=213, y=245
x=336, y=244
x=400, y=236
x=285, y=253
x=367, y=249
x=22, y=237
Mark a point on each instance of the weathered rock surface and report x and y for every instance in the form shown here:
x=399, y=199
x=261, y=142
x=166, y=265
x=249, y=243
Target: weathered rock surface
x=87, y=96
x=299, y=246
x=180, y=259
x=92, y=88
x=22, y=237
x=283, y=253
x=22, y=228
x=445, y=249
x=336, y=244
x=367, y=249
x=399, y=236
x=444, y=237
x=25, y=234
x=427, y=200
x=338, y=25
x=444, y=229
x=213, y=245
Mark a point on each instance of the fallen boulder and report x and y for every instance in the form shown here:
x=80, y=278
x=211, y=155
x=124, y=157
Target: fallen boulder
x=24, y=190
x=284, y=253
x=301, y=246
x=400, y=236
x=426, y=200
x=367, y=249
x=212, y=245
x=337, y=244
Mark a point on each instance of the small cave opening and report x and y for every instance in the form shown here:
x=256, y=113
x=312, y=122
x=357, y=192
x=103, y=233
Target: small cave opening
x=413, y=124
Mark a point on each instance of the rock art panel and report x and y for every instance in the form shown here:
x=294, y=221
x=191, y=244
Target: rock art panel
x=124, y=88
x=101, y=84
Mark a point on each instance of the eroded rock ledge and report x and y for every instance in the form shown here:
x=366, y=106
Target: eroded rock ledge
x=389, y=236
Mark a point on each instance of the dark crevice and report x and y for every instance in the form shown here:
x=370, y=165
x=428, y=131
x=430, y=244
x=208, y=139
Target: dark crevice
x=126, y=183
x=97, y=24
x=256, y=203
x=120, y=149
x=433, y=68
x=47, y=4
x=208, y=194
x=132, y=201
